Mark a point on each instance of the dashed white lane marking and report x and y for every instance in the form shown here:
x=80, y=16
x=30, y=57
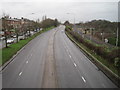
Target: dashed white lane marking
x=75, y=64
x=84, y=79
x=26, y=61
x=20, y=73
x=70, y=56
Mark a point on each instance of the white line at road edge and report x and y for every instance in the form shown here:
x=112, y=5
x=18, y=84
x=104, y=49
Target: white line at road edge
x=75, y=64
x=84, y=79
x=20, y=73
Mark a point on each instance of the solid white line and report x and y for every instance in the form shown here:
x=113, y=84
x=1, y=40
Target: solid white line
x=70, y=56
x=75, y=64
x=20, y=73
x=84, y=79
x=26, y=61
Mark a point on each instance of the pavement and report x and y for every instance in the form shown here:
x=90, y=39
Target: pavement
x=51, y=60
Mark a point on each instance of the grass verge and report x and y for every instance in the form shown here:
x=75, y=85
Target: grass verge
x=7, y=53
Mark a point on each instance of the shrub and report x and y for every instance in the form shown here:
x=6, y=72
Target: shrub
x=99, y=50
x=114, y=54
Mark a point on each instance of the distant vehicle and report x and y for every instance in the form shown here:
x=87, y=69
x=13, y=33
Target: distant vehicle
x=2, y=38
x=11, y=40
x=21, y=37
x=14, y=36
x=62, y=31
x=41, y=29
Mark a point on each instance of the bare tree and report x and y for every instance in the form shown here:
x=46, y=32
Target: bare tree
x=5, y=27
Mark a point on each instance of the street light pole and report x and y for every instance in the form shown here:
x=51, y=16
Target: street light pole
x=102, y=34
x=16, y=33
x=74, y=17
x=117, y=38
x=90, y=34
x=29, y=14
x=23, y=23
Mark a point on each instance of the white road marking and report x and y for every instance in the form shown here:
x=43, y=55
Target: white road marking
x=26, y=61
x=75, y=64
x=70, y=56
x=84, y=79
x=20, y=73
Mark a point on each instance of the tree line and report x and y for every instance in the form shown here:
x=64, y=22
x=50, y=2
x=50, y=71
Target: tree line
x=24, y=26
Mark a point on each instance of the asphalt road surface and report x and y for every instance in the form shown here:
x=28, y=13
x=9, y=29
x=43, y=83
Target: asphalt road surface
x=52, y=60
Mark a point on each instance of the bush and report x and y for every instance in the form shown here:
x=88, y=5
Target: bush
x=114, y=54
x=99, y=50
x=112, y=40
x=117, y=62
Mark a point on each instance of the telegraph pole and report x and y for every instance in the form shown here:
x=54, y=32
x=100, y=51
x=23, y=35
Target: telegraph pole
x=117, y=38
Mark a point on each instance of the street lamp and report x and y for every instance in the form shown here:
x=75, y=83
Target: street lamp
x=74, y=19
x=91, y=33
x=29, y=14
x=24, y=23
x=117, y=38
x=74, y=16
x=102, y=34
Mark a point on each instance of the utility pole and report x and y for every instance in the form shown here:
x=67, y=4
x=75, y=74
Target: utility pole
x=74, y=19
x=16, y=31
x=90, y=34
x=117, y=38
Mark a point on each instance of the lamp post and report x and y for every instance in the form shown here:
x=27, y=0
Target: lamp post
x=24, y=23
x=117, y=38
x=74, y=17
x=29, y=14
x=102, y=34
x=90, y=34
x=16, y=27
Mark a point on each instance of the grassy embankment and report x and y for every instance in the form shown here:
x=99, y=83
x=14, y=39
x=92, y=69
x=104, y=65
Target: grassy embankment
x=102, y=53
x=7, y=53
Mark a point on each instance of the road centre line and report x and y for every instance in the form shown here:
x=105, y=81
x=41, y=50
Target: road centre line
x=70, y=56
x=83, y=79
x=75, y=64
x=20, y=73
x=26, y=61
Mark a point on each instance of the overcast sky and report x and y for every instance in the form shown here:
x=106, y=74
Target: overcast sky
x=81, y=10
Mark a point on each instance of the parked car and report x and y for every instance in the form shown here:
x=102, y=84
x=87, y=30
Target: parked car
x=22, y=38
x=14, y=36
x=2, y=38
x=11, y=40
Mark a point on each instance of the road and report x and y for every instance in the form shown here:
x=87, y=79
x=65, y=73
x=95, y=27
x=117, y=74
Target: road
x=51, y=60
